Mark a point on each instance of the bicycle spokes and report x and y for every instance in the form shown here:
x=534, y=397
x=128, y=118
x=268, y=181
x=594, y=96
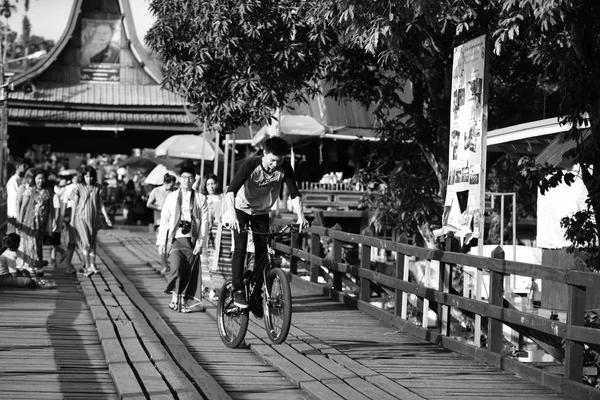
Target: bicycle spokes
x=278, y=314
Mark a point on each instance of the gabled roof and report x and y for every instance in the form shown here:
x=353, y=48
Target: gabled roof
x=104, y=105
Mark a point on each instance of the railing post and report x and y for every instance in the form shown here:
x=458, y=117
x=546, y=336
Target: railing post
x=295, y=244
x=401, y=273
x=336, y=249
x=495, y=334
x=575, y=317
x=315, y=250
x=365, y=263
x=445, y=281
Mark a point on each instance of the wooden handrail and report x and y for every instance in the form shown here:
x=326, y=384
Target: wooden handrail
x=572, y=332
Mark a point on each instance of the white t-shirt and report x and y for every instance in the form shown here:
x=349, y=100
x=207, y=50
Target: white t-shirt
x=12, y=187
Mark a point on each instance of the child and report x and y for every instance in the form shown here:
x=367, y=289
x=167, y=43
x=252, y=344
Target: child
x=10, y=274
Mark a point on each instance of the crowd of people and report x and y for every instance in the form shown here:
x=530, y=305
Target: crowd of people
x=189, y=214
x=65, y=215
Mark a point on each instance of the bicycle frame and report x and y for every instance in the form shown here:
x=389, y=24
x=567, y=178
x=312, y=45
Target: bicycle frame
x=276, y=304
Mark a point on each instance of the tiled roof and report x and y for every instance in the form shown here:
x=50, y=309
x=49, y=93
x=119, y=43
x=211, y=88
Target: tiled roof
x=47, y=116
x=99, y=94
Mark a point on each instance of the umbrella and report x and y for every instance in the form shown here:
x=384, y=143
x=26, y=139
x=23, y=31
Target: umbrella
x=156, y=176
x=68, y=172
x=192, y=147
x=147, y=162
x=292, y=128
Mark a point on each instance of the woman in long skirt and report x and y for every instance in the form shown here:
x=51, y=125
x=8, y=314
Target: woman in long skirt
x=86, y=207
x=35, y=215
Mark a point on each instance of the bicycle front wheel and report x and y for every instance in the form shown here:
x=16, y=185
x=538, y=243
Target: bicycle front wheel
x=278, y=309
x=231, y=321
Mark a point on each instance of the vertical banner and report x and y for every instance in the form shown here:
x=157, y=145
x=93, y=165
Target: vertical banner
x=464, y=203
x=100, y=46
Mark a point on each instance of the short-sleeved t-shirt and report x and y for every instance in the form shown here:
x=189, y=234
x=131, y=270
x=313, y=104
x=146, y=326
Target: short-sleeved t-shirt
x=256, y=190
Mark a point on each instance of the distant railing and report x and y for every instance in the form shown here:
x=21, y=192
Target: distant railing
x=340, y=186
x=332, y=195
x=365, y=274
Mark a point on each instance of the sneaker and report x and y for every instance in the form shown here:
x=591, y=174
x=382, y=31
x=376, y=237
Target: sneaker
x=239, y=299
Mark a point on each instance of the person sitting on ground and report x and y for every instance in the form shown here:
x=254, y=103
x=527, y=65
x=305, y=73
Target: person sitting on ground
x=155, y=201
x=10, y=274
x=182, y=235
x=249, y=198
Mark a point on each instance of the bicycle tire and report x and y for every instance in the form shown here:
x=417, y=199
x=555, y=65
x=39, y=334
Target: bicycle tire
x=278, y=311
x=232, y=323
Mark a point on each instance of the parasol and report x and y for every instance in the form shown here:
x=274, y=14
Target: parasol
x=191, y=147
x=156, y=176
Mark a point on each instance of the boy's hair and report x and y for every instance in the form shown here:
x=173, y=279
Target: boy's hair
x=168, y=178
x=276, y=146
x=12, y=241
x=187, y=170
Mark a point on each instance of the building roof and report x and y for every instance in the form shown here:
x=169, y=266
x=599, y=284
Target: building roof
x=50, y=93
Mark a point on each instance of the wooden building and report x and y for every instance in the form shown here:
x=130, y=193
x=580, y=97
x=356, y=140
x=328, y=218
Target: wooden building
x=105, y=107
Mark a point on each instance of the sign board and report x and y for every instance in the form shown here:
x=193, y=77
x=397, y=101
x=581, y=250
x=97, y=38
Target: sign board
x=100, y=48
x=464, y=203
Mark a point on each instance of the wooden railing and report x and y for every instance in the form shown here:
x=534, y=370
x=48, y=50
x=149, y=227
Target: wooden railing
x=331, y=195
x=495, y=309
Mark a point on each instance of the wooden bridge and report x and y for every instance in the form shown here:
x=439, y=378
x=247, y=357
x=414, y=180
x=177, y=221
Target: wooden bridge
x=113, y=336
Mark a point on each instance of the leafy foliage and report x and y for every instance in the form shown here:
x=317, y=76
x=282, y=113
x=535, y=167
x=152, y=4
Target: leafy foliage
x=238, y=61
x=562, y=37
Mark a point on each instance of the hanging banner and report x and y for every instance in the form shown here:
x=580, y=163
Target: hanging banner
x=100, y=47
x=464, y=203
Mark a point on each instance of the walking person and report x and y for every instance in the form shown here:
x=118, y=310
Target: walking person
x=71, y=235
x=155, y=201
x=35, y=218
x=182, y=235
x=86, y=209
x=12, y=188
x=214, y=198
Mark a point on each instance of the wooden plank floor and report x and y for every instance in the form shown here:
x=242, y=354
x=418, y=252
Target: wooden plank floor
x=240, y=372
x=333, y=351
x=49, y=347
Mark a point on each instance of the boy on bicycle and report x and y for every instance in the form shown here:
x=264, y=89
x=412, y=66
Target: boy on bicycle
x=249, y=198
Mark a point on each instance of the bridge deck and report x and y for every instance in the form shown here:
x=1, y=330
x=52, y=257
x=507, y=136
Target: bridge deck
x=50, y=349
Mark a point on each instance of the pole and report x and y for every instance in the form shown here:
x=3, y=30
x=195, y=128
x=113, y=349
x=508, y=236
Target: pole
x=216, y=163
x=202, y=150
x=232, y=162
x=226, y=160
x=3, y=108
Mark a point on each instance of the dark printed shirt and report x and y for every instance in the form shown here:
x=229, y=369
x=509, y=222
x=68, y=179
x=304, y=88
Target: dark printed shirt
x=259, y=188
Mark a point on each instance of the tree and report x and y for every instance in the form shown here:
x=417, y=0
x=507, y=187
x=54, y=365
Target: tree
x=238, y=61
x=562, y=38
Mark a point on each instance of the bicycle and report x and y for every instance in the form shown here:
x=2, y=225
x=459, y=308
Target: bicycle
x=276, y=300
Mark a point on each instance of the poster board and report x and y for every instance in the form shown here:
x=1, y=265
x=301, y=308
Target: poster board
x=464, y=202
x=100, y=48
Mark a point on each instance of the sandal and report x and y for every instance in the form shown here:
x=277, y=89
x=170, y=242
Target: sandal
x=44, y=284
x=185, y=309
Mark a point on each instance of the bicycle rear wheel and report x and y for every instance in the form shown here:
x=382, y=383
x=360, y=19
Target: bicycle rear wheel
x=231, y=321
x=278, y=310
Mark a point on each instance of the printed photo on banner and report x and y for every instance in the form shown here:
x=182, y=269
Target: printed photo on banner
x=100, y=48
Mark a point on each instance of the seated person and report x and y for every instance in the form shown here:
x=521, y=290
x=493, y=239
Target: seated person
x=10, y=274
